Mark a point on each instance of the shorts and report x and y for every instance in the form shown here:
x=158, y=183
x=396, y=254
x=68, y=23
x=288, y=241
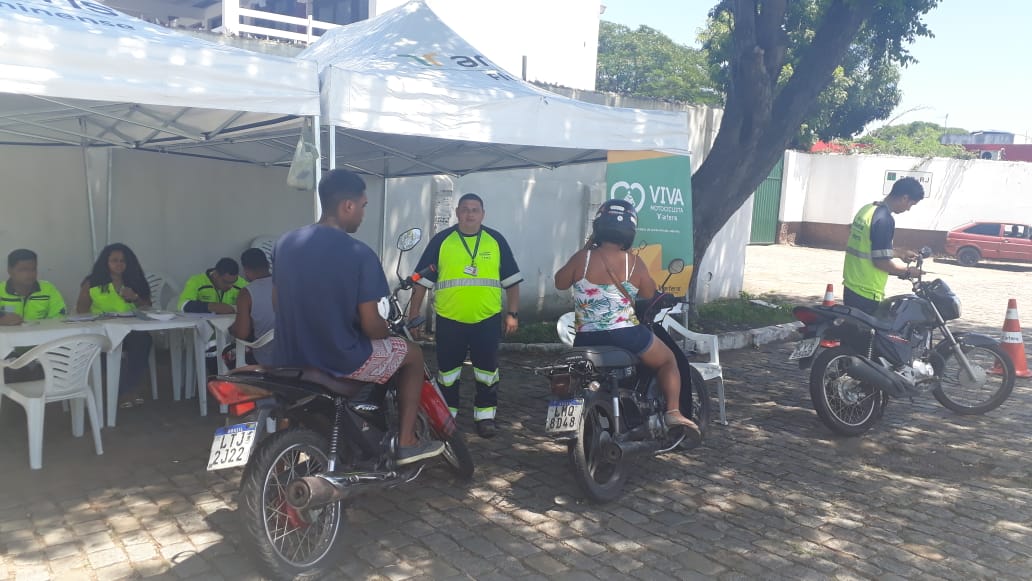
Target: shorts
x=636, y=339
x=384, y=361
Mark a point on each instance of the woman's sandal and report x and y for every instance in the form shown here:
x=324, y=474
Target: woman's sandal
x=125, y=405
x=138, y=400
x=675, y=419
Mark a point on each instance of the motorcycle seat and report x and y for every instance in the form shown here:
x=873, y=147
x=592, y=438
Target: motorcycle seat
x=348, y=388
x=603, y=356
x=858, y=314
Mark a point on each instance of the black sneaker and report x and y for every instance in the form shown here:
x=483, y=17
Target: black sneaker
x=486, y=429
x=421, y=451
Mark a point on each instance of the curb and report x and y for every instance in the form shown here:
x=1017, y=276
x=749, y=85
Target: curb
x=726, y=341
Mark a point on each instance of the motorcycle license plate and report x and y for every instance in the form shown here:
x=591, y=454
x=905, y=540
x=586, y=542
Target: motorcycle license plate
x=231, y=446
x=564, y=415
x=805, y=348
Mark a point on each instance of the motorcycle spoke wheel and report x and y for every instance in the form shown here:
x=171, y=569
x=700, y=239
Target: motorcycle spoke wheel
x=846, y=405
x=290, y=544
x=299, y=538
x=985, y=389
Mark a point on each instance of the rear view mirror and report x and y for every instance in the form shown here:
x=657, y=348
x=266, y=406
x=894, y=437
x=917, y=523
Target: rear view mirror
x=926, y=252
x=676, y=266
x=409, y=238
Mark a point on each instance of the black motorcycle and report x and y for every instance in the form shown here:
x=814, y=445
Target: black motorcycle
x=859, y=361
x=608, y=407
x=311, y=441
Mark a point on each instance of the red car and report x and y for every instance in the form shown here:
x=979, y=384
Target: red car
x=990, y=241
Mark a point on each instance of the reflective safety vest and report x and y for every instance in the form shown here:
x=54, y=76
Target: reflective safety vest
x=200, y=288
x=105, y=299
x=44, y=302
x=459, y=295
x=859, y=272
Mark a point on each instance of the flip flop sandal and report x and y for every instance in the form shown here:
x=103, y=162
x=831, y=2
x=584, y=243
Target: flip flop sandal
x=125, y=405
x=138, y=400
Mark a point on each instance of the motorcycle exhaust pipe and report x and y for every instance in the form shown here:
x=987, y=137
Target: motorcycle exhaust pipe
x=877, y=375
x=615, y=451
x=311, y=492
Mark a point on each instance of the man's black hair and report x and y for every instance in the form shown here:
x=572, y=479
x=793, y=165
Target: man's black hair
x=339, y=185
x=227, y=265
x=20, y=255
x=908, y=187
x=254, y=259
x=471, y=196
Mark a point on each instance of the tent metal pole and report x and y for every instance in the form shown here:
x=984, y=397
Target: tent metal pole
x=317, y=134
x=333, y=147
x=89, y=191
x=383, y=209
x=110, y=196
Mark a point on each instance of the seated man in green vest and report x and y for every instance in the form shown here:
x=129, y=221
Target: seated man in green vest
x=213, y=291
x=24, y=297
x=870, y=257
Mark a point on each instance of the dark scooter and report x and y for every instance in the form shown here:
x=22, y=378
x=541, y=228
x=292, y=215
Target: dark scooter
x=859, y=361
x=311, y=441
x=609, y=408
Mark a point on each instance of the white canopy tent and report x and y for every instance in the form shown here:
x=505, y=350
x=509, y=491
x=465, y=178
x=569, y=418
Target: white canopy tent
x=409, y=96
x=77, y=73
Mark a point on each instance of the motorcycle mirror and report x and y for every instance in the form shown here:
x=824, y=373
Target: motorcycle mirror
x=926, y=252
x=409, y=238
x=676, y=266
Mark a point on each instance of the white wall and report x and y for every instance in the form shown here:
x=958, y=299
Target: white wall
x=559, y=39
x=831, y=188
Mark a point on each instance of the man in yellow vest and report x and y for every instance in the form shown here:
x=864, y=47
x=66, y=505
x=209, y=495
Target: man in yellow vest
x=870, y=258
x=473, y=264
x=24, y=297
x=213, y=291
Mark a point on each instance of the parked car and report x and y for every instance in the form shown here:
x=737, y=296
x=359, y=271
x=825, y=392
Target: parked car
x=977, y=241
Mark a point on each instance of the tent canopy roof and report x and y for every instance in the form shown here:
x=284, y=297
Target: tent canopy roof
x=75, y=71
x=406, y=82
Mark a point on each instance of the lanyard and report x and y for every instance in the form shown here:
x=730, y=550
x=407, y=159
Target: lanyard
x=476, y=247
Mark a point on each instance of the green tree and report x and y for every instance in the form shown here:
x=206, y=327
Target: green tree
x=775, y=78
x=919, y=139
x=646, y=63
x=864, y=86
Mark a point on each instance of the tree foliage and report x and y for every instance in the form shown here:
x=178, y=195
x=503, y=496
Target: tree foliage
x=647, y=63
x=776, y=72
x=864, y=87
x=918, y=139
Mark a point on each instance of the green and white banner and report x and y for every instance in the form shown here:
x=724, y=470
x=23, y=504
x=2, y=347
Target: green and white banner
x=660, y=187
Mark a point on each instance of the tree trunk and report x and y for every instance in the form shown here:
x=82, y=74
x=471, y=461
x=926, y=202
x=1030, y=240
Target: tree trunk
x=761, y=116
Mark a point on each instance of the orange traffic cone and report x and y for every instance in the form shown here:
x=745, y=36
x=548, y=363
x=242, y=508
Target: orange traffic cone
x=829, y=296
x=1012, y=342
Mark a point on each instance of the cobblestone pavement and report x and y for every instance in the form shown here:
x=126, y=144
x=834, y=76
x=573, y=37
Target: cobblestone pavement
x=926, y=495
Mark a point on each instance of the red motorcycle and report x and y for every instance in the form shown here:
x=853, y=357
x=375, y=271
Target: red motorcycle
x=310, y=441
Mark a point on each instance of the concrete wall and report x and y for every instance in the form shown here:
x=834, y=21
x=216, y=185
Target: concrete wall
x=821, y=194
x=178, y=214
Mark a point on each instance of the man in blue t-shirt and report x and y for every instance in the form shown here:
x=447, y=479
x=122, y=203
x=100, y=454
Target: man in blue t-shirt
x=327, y=285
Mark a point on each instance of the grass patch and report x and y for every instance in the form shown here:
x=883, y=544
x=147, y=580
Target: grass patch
x=540, y=332
x=742, y=313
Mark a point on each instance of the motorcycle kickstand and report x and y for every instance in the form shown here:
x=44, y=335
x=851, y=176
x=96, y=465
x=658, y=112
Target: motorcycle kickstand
x=684, y=434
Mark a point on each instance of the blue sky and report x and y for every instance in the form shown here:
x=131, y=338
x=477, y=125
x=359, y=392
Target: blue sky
x=977, y=69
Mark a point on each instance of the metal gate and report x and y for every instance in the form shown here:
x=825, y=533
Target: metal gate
x=766, y=203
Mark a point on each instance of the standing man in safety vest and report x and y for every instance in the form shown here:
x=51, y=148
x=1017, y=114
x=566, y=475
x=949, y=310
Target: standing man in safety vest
x=870, y=258
x=473, y=265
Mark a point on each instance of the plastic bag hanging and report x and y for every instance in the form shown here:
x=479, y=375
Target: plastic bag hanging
x=304, y=167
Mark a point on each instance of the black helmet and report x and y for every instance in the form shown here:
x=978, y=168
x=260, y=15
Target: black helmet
x=616, y=222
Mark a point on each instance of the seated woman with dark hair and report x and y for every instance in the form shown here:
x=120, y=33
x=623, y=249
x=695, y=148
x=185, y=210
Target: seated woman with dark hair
x=117, y=285
x=606, y=280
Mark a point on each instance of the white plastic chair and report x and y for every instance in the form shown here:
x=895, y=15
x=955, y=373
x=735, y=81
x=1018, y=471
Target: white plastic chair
x=156, y=280
x=241, y=346
x=266, y=244
x=566, y=328
x=692, y=342
x=66, y=368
